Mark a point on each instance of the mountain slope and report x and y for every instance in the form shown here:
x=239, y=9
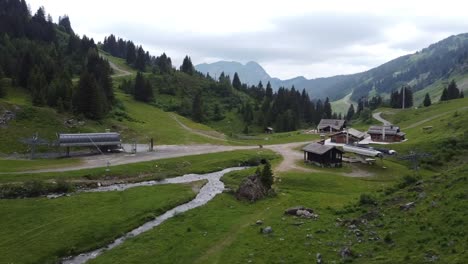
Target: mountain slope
x=251, y=73
x=439, y=62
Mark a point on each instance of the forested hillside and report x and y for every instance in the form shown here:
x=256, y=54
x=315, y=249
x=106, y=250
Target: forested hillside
x=44, y=58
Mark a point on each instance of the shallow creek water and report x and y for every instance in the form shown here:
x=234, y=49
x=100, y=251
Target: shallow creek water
x=213, y=187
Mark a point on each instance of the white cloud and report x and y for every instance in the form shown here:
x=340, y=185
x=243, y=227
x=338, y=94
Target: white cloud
x=289, y=38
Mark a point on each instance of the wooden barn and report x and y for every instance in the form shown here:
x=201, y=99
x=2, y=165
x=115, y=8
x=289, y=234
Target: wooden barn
x=331, y=125
x=386, y=133
x=323, y=155
x=348, y=136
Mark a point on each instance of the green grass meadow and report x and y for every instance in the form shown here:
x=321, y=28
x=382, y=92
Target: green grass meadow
x=41, y=230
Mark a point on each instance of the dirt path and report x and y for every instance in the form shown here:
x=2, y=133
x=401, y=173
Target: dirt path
x=290, y=156
x=116, y=69
x=378, y=117
x=208, y=134
x=160, y=152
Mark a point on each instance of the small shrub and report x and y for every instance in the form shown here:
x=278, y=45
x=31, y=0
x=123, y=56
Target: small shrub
x=367, y=199
x=388, y=238
x=407, y=181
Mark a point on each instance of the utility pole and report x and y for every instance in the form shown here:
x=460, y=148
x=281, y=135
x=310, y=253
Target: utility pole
x=403, y=91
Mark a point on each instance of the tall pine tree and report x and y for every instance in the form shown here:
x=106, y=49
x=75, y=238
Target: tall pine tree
x=236, y=83
x=427, y=100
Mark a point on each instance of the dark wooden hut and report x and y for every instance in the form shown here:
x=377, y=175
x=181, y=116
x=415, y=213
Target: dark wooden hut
x=323, y=155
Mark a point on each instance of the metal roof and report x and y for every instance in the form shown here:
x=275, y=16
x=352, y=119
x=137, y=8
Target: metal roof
x=336, y=124
x=353, y=132
x=318, y=148
x=389, y=130
x=88, y=139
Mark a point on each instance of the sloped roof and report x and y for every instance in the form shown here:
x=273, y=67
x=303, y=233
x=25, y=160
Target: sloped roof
x=389, y=130
x=356, y=133
x=318, y=148
x=352, y=132
x=336, y=124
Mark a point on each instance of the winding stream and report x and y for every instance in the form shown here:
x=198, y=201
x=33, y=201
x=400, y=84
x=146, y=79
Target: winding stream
x=213, y=187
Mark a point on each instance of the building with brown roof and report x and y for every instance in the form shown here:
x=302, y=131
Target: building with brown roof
x=331, y=125
x=323, y=155
x=388, y=133
x=348, y=136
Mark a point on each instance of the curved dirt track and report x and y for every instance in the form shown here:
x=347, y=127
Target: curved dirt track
x=208, y=134
x=378, y=117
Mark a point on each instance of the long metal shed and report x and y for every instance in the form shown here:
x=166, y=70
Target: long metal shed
x=89, y=139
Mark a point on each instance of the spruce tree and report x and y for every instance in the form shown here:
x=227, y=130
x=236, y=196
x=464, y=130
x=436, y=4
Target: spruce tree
x=444, y=96
x=37, y=84
x=131, y=53
x=452, y=91
x=266, y=176
x=236, y=83
x=2, y=86
x=350, y=113
x=461, y=94
x=427, y=100
x=140, y=61
x=197, y=107
x=187, y=66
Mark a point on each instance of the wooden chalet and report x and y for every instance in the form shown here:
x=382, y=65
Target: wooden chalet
x=348, y=136
x=331, y=125
x=323, y=155
x=386, y=133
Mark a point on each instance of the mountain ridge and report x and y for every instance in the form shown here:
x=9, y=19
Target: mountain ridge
x=439, y=61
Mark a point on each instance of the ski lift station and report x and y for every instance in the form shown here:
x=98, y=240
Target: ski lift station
x=109, y=141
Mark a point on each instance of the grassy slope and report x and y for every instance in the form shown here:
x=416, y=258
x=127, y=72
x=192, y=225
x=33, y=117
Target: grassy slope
x=224, y=231
x=9, y=165
x=435, y=89
x=342, y=105
x=441, y=116
x=41, y=230
x=144, y=121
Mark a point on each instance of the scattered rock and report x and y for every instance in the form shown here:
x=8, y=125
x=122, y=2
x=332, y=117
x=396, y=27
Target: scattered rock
x=309, y=236
x=319, y=258
x=293, y=210
x=259, y=222
x=407, y=206
x=422, y=195
x=266, y=230
x=433, y=204
x=6, y=117
x=73, y=123
x=298, y=223
x=346, y=253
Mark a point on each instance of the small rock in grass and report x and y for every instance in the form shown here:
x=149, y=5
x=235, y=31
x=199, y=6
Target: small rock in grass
x=266, y=230
x=319, y=258
x=259, y=222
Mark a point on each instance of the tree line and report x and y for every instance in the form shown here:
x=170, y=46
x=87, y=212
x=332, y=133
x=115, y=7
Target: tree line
x=136, y=56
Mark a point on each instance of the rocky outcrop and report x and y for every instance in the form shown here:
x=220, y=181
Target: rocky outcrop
x=251, y=189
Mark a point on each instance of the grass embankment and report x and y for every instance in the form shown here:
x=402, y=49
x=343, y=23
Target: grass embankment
x=11, y=165
x=224, y=230
x=157, y=169
x=41, y=230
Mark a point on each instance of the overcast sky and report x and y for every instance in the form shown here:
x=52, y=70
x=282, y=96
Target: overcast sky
x=288, y=38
